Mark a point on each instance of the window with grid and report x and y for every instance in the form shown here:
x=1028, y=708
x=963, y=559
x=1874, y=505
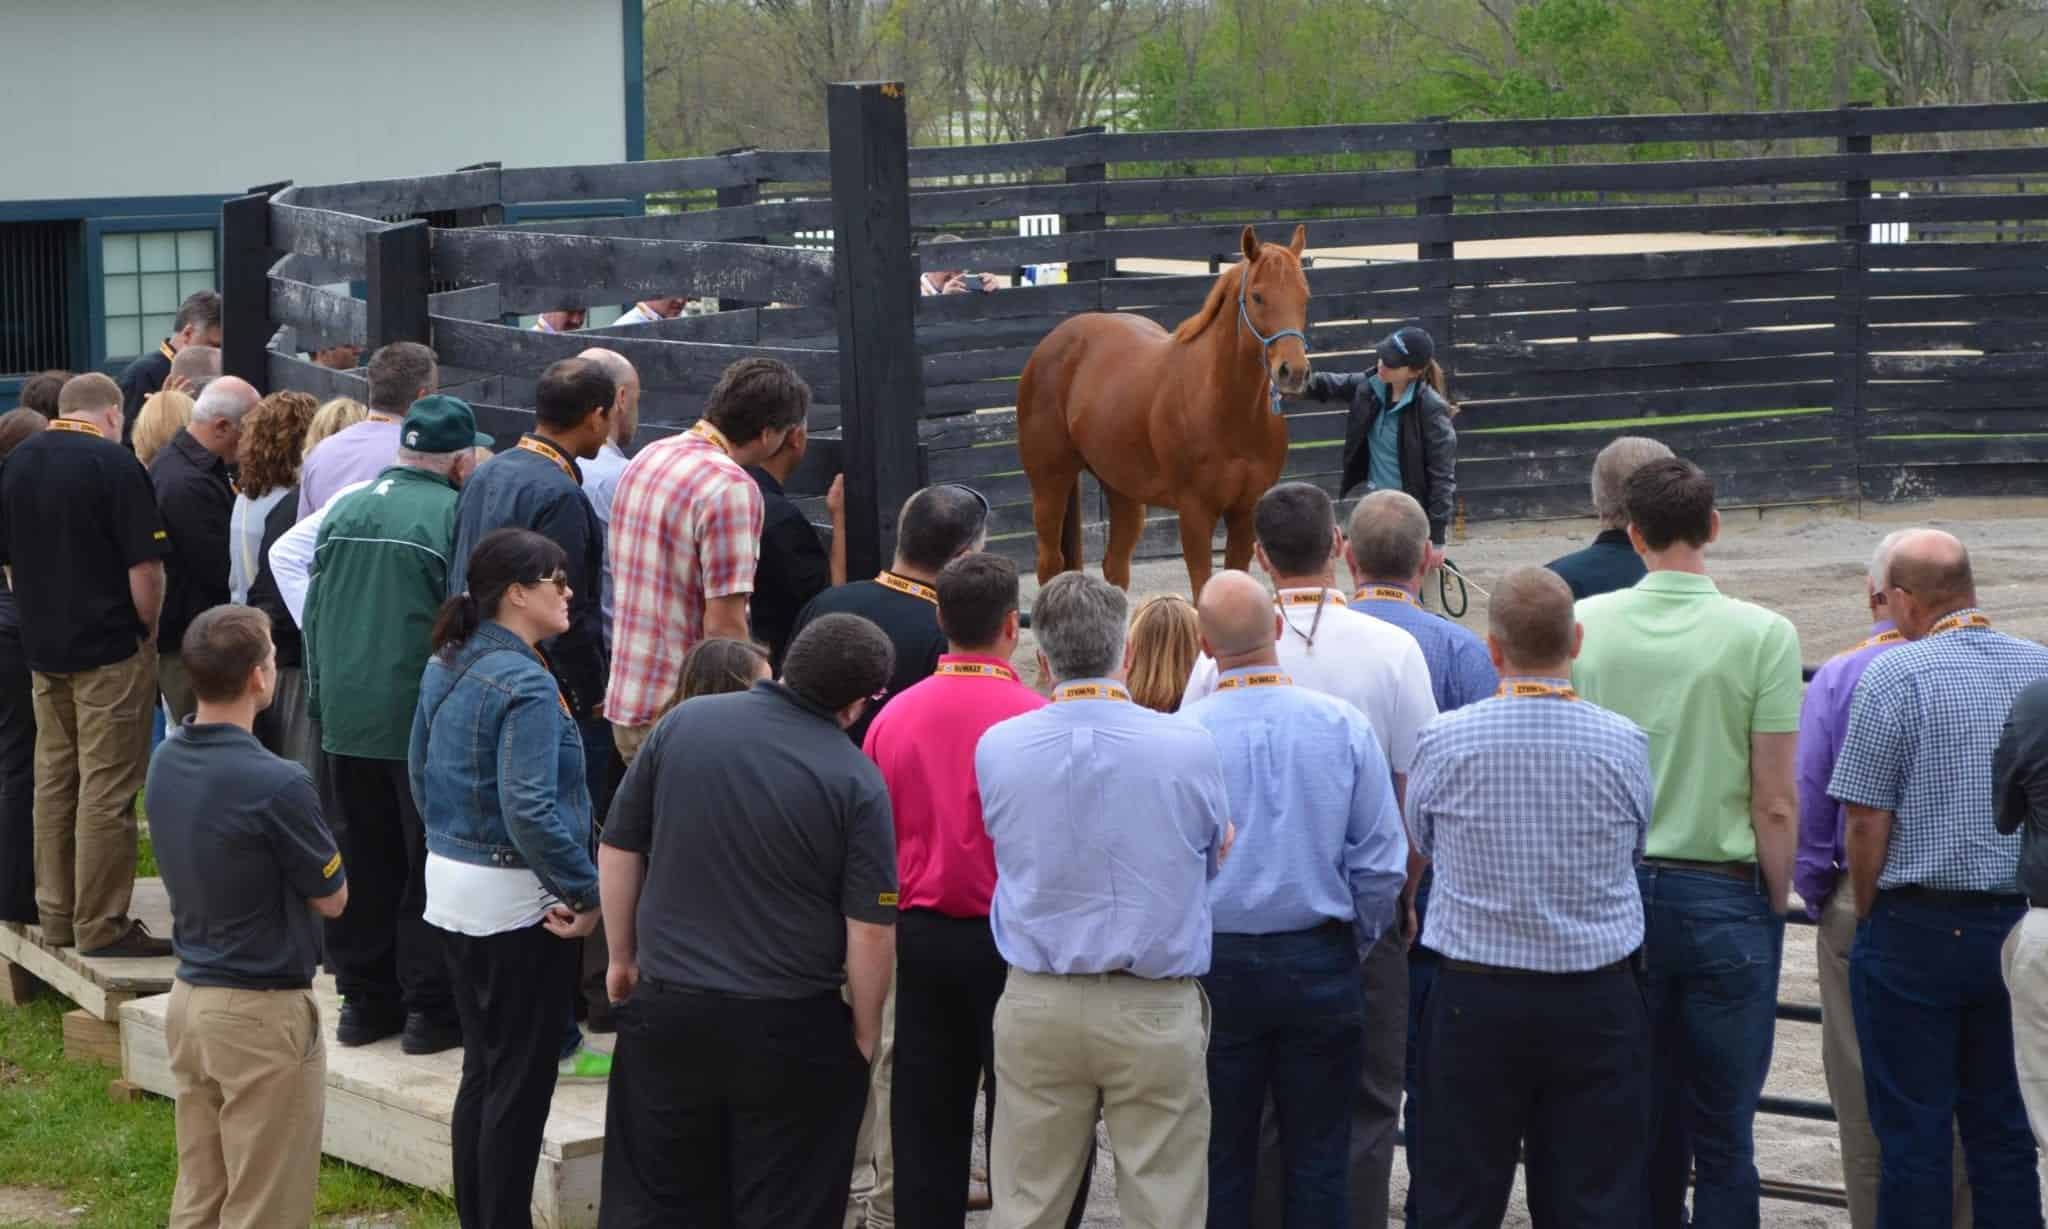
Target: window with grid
x=35, y=289
x=146, y=275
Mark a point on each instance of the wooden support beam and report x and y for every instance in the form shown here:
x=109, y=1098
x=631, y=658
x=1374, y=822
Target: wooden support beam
x=881, y=385
x=398, y=260
x=89, y=1039
x=17, y=985
x=1086, y=173
x=246, y=257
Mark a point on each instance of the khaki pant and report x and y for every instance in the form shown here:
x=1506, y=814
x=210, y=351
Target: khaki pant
x=2026, y=979
x=176, y=686
x=629, y=739
x=92, y=753
x=1842, y=1059
x=873, y=1201
x=1136, y=1048
x=251, y=1068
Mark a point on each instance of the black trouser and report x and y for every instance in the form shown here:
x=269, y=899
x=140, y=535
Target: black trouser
x=17, y=778
x=1556, y=1063
x=730, y=1112
x=381, y=949
x=948, y=978
x=511, y=1039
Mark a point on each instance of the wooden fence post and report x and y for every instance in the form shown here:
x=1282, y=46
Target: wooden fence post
x=881, y=380
x=397, y=259
x=734, y=197
x=1852, y=328
x=482, y=215
x=1076, y=223
x=1433, y=245
x=245, y=259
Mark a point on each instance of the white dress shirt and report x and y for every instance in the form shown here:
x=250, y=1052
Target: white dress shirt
x=291, y=556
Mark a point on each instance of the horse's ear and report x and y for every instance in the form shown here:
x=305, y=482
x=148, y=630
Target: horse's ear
x=1251, y=244
x=1300, y=239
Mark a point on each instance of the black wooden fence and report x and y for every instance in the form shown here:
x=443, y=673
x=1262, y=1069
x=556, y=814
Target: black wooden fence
x=1724, y=295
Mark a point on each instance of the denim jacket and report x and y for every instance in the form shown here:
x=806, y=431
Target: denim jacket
x=497, y=766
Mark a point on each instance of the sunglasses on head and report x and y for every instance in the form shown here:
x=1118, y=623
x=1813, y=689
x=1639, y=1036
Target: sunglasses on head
x=978, y=496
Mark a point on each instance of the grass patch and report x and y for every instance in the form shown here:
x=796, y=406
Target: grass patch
x=59, y=1130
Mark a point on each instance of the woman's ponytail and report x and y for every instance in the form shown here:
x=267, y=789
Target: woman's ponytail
x=456, y=622
x=1433, y=375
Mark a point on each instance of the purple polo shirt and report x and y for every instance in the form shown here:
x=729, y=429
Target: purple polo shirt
x=354, y=454
x=1823, y=722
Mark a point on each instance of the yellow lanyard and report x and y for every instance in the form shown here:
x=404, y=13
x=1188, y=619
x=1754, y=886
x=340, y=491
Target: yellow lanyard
x=542, y=447
x=72, y=424
x=1305, y=599
x=1952, y=623
x=717, y=437
x=381, y=416
x=1092, y=691
x=890, y=580
x=976, y=670
x=562, y=701
x=1382, y=593
x=1890, y=637
x=1274, y=679
x=1530, y=691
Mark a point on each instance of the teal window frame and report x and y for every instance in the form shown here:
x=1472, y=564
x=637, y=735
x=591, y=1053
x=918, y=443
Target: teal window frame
x=95, y=269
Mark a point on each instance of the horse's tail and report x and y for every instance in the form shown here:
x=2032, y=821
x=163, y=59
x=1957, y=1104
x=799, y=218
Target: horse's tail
x=1070, y=528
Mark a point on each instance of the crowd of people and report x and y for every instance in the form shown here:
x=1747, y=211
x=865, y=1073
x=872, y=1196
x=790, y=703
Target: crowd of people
x=557, y=739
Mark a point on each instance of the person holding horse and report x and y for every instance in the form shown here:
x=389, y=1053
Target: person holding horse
x=1399, y=437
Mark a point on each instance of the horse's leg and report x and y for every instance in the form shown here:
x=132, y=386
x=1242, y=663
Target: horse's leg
x=1126, y=523
x=1197, y=535
x=1237, y=545
x=1051, y=495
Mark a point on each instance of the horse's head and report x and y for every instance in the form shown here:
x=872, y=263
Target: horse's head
x=1273, y=303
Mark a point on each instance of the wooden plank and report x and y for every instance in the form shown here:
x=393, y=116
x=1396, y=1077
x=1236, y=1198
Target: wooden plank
x=1565, y=409
x=728, y=223
x=1493, y=386
x=544, y=272
x=247, y=243
x=1010, y=157
x=1683, y=318
x=1961, y=415
x=1900, y=483
x=1957, y=309
x=1167, y=242
x=397, y=285
x=318, y=315
x=1646, y=266
x=401, y=198
x=1059, y=299
x=101, y=984
x=337, y=240
x=1956, y=207
x=1947, y=394
x=1659, y=219
x=1990, y=336
x=467, y=303
x=1597, y=357
x=291, y=371
x=496, y=347
x=1987, y=368
x=964, y=366
x=1891, y=283
x=18, y=986
x=1976, y=450
x=1490, y=300
x=89, y=1039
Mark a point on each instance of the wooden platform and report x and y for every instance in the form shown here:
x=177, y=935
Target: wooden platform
x=98, y=986
x=389, y=1112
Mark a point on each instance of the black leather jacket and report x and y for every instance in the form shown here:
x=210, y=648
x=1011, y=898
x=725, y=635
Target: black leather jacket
x=1429, y=444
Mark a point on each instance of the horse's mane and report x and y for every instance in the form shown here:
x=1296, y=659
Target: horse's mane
x=1220, y=293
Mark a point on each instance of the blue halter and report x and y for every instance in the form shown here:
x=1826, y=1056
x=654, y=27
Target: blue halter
x=1266, y=342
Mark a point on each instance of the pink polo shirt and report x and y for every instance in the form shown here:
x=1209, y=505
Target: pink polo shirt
x=924, y=744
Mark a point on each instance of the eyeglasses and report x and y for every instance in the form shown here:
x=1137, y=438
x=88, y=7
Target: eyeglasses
x=559, y=579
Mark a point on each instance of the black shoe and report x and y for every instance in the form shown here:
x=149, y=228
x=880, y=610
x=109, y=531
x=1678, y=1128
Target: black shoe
x=601, y=1020
x=426, y=1035
x=135, y=943
x=364, y=1022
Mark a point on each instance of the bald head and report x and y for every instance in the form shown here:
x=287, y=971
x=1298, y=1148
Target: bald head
x=626, y=380
x=1237, y=616
x=1530, y=624
x=1930, y=572
x=196, y=365
x=229, y=397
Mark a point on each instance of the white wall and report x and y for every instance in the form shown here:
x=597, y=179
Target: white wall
x=120, y=98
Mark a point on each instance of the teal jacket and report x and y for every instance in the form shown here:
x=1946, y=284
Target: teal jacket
x=380, y=572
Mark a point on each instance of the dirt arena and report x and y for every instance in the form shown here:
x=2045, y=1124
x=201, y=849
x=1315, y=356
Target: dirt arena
x=1807, y=564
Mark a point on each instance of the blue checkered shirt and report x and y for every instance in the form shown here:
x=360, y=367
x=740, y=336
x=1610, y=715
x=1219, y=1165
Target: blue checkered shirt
x=1533, y=814
x=1460, y=672
x=1925, y=720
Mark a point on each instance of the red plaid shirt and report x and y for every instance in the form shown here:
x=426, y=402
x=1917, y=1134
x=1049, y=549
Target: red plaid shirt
x=686, y=527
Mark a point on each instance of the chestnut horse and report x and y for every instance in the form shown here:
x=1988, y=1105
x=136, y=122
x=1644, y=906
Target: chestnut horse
x=1188, y=420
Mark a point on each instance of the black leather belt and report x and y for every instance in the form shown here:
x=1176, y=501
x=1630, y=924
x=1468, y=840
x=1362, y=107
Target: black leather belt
x=1955, y=900
x=1493, y=970
x=1745, y=871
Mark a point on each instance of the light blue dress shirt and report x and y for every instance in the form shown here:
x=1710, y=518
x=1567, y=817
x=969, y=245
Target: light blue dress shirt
x=1319, y=837
x=1106, y=820
x=1460, y=672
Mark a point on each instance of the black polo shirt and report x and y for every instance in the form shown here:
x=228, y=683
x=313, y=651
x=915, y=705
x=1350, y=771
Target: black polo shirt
x=1610, y=563
x=196, y=501
x=764, y=830
x=242, y=847
x=76, y=512
x=793, y=567
x=139, y=379
x=910, y=621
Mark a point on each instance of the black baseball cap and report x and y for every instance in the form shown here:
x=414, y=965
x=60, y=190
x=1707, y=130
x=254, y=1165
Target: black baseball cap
x=1407, y=346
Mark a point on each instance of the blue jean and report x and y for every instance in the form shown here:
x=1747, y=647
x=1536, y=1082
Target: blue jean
x=1287, y=1016
x=1935, y=1025
x=1711, y=947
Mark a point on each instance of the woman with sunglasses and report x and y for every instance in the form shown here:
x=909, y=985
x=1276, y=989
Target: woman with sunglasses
x=1399, y=437
x=497, y=767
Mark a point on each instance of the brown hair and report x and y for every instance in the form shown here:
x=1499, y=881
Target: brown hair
x=88, y=393
x=221, y=648
x=716, y=667
x=1670, y=501
x=39, y=392
x=272, y=436
x=1433, y=375
x=17, y=425
x=1166, y=639
x=164, y=414
x=755, y=396
x=1531, y=617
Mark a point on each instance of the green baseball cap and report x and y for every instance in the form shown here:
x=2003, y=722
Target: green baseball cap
x=441, y=424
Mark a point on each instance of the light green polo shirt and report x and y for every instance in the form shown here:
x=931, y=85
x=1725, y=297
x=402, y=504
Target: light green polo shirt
x=1700, y=673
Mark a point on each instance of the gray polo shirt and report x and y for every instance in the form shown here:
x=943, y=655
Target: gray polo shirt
x=242, y=848
x=765, y=829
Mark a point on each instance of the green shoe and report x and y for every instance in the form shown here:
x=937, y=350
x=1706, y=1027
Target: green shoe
x=585, y=1066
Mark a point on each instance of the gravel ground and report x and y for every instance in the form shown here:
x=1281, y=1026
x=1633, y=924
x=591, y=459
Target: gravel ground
x=1808, y=565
